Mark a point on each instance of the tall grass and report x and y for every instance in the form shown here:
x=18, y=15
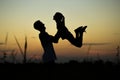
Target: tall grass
x=88, y=52
x=4, y=57
x=117, y=55
x=6, y=39
x=13, y=56
x=25, y=49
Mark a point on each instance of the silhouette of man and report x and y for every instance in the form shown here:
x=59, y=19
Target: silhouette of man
x=64, y=33
x=46, y=41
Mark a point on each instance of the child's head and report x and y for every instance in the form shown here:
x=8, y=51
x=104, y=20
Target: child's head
x=58, y=16
x=38, y=25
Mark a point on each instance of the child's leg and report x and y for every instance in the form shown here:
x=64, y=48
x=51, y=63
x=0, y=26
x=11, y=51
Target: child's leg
x=77, y=31
x=74, y=41
x=79, y=37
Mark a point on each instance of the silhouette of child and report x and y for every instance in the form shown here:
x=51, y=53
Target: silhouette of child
x=46, y=41
x=64, y=33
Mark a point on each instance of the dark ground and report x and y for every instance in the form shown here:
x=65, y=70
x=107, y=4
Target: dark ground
x=72, y=70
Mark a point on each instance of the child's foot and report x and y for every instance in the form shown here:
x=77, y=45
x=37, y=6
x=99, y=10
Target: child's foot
x=78, y=29
x=83, y=29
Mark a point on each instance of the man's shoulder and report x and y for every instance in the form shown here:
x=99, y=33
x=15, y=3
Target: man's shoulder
x=45, y=34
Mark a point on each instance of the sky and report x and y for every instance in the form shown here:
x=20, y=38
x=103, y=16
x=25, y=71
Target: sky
x=101, y=16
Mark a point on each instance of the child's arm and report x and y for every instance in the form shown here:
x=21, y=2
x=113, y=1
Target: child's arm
x=56, y=37
x=63, y=21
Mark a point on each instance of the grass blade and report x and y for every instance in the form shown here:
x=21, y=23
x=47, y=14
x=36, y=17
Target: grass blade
x=6, y=39
x=19, y=46
x=25, y=50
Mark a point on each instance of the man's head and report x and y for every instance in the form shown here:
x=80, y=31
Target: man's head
x=58, y=16
x=38, y=25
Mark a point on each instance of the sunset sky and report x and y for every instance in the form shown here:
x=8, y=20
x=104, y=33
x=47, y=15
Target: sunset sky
x=101, y=16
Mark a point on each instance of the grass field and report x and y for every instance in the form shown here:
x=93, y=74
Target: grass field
x=71, y=70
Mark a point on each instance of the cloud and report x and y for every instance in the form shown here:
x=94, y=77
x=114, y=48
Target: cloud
x=7, y=50
x=96, y=44
x=2, y=43
x=116, y=33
